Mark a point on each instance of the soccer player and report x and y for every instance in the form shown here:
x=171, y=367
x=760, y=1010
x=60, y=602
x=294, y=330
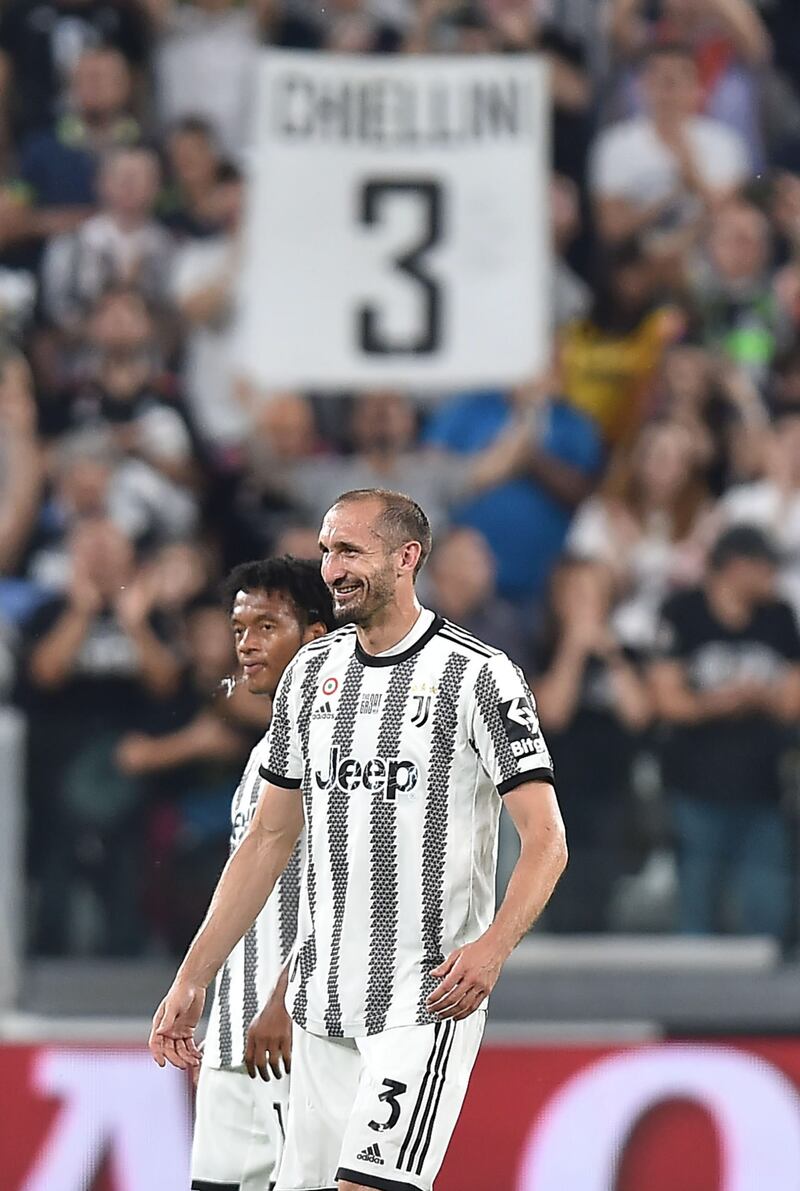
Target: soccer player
x=275, y=607
x=394, y=741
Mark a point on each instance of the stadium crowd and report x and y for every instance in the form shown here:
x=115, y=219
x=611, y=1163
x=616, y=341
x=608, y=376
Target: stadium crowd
x=627, y=526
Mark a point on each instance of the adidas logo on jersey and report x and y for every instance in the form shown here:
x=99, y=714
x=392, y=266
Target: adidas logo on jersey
x=371, y=1154
x=323, y=712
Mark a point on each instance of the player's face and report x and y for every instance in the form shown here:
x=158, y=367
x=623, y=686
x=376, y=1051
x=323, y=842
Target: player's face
x=267, y=635
x=357, y=566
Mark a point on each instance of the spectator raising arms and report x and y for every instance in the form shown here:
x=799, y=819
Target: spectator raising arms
x=95, y=659
x=610, y=357
x=120, y=245
x=728, y=41
x=592, y=703
x=525, y=516
x=670, y=167
x=58, y=165
x=645, y=526
x=194, y=205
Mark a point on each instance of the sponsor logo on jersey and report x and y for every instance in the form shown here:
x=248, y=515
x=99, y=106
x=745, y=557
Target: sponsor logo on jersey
x=323, y=712
x=522, y=727
x=371, y=703
x=422, y=710
x=376, y=776
x=372, y=1153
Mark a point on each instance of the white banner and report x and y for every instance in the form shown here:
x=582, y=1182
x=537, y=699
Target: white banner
x=397, y=228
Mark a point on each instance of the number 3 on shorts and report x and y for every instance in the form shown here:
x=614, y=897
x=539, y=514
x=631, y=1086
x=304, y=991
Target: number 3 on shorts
x=394, y=1089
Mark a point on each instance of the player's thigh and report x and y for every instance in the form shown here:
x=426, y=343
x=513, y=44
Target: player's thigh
x=411, y=1089
x=325, y=1074
x=237, y=1139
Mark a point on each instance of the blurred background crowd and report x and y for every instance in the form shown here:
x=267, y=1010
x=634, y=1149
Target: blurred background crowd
x=627, y=526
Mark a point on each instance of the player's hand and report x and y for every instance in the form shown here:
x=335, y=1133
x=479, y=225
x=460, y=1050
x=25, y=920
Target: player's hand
x=174, y=1023
x=467, y=976
x=196, y=1070
x=269, y=1039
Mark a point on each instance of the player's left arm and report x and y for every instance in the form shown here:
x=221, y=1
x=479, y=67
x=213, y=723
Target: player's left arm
x=469, y=973
x=504, y=732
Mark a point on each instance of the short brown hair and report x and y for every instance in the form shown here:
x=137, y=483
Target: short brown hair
x=402, y=519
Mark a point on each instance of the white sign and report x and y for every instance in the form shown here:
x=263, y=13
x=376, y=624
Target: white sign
x=397, y=228
x=114, y=1105
x=754, y=1106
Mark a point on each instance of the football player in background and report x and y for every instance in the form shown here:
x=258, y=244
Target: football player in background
x=242, y=1095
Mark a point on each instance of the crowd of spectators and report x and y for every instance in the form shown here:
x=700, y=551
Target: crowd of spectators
x=627, y=526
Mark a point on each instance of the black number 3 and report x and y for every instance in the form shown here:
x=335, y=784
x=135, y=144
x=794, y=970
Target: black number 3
x=393, y=1089
x=371, y=329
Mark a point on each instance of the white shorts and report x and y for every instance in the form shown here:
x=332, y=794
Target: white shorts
x=376, y=1110
x=238, y=1130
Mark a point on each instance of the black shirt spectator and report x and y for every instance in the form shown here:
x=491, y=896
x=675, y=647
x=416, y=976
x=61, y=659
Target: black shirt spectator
x=727, y=688
x=96, y=659
x=734, y=756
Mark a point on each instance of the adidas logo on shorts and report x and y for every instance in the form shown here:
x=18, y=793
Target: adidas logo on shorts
x=371, y=1154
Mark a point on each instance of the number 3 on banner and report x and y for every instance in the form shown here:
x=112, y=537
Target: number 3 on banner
x=427, y=197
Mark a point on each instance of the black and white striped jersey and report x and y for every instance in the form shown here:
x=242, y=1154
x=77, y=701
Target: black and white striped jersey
x=251, y=970
x=400, y=758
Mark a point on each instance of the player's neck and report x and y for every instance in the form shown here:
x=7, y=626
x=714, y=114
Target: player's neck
x=394, y=623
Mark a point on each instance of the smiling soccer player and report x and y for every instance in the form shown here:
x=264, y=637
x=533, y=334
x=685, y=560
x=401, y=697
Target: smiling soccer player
x=394, y=742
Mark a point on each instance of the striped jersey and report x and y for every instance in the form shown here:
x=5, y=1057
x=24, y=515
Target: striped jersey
x=250, y=972
x=401, y=759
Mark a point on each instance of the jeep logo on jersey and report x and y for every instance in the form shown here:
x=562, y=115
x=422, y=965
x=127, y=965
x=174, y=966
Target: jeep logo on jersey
x=376, y=776
x=521, y=725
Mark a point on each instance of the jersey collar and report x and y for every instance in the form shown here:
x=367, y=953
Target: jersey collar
x=393, y=659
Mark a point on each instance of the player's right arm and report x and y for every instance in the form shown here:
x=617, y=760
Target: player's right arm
x=246, y=882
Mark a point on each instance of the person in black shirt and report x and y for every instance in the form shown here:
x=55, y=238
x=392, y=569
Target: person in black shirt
x=727, y=687
x=593, y=703
x=190, y=760
x=96, y=661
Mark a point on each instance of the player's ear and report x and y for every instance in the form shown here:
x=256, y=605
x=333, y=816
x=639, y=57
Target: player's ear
x=314, y=630
x=409, y=556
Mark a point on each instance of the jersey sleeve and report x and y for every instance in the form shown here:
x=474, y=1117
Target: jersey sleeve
x=282, y=762
x=505, y=727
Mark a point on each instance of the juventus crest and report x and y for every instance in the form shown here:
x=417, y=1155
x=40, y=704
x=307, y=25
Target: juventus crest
x=422, y=710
